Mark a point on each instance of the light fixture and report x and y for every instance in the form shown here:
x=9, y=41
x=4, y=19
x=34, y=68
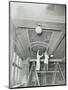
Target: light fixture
x=38, y=29
x=52, y=55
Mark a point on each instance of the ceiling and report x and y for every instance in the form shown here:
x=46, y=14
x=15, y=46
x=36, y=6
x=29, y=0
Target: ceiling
x=26, y=16
x=38, y=12
x=28, y=45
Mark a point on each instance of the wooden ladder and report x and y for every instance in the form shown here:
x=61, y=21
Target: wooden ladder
x=35, y=73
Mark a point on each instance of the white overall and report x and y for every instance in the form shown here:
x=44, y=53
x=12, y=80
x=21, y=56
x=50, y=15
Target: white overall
x=38, y=63
x=46, y=58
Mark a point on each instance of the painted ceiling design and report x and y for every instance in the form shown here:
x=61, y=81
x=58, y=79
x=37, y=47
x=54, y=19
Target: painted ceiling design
x=30, y=42
x=51, y=17
x=45, y=36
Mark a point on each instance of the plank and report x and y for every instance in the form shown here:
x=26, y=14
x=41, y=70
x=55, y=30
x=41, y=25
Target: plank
x=46, y=71
x=50, y=60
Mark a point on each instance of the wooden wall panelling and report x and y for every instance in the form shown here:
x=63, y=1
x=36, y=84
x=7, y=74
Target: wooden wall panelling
x=23, y=38
x=11, y=52
x=60, y=40
x=45, y=36
x=55, y=39
x=59, y=52
x=13, y=70
x=29, y=48
x=19, y=49
x=22, y=45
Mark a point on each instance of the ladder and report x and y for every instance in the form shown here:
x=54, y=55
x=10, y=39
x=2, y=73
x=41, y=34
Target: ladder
x=36, y=79
x=35, y=73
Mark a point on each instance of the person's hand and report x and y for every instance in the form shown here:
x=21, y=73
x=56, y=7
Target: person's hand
x=38, y=51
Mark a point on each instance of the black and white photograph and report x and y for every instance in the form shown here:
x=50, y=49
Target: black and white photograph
x=37, y=44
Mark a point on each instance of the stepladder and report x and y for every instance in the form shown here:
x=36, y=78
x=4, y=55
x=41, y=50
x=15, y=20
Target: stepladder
x=34, y=74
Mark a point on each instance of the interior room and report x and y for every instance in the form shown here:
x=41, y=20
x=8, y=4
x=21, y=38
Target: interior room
x=37, y=44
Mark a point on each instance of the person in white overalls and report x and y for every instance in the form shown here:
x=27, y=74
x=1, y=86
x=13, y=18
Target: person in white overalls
x=46, y=61
x=38, y=61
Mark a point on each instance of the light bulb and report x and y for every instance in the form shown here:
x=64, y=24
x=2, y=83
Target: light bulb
x=38, y=30
x=51, y=55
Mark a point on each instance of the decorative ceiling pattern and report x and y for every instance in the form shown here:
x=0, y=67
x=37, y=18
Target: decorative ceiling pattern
x=51, y=17
x=31, y=42
x=40, y=47
x=45, y=36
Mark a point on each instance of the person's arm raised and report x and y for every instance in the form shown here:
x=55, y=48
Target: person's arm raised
x=41, y=55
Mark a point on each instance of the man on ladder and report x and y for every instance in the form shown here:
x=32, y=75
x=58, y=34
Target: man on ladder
x=35, y=77
x=38, y=60
x=46, y=61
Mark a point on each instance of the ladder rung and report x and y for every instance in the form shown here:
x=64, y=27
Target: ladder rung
x=46, y=71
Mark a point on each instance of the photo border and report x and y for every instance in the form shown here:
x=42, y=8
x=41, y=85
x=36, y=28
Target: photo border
x=65, y=44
